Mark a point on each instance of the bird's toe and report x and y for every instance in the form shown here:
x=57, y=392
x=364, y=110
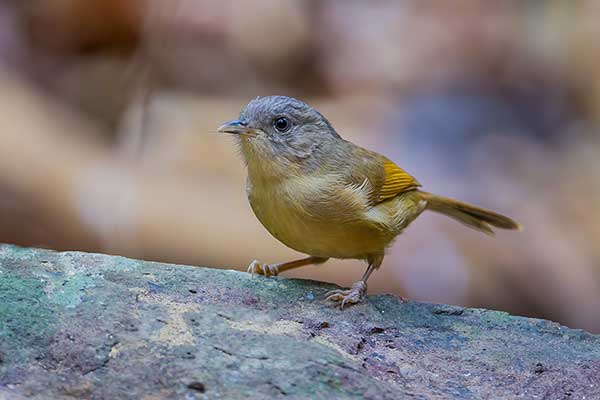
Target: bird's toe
x=346, y=296
x=256, y=267
x=336, y=295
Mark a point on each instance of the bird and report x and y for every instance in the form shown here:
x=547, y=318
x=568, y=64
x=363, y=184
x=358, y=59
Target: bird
x=327, y=197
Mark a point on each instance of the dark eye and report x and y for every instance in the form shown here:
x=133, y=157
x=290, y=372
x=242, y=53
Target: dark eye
x=282, y=124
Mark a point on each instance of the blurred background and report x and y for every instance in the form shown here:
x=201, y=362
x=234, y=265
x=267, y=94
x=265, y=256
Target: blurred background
x=108, y=110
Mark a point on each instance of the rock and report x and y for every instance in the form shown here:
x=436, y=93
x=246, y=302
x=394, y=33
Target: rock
x=105, y=327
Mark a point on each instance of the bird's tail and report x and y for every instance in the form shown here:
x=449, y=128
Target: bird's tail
x=474, y=217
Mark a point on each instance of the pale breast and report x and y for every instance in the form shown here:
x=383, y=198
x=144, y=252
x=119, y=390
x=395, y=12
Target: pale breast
x=320, y=217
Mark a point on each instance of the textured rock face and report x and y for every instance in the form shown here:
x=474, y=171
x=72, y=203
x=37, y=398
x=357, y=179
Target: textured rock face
x=76, y=325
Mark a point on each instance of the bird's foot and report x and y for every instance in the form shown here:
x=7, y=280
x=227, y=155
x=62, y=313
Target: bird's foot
x=347, y=296
x=256, y=267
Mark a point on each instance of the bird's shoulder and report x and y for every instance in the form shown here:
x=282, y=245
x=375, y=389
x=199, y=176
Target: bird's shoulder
x=377, y=174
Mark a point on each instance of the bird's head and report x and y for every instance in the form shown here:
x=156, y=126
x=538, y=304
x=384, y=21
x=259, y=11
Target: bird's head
x=280, y=131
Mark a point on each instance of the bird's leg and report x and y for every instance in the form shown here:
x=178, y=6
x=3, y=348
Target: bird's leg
x=358, y=290
x=256, y=267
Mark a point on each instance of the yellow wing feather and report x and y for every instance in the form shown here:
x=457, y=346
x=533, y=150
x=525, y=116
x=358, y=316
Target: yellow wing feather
x=396, y=181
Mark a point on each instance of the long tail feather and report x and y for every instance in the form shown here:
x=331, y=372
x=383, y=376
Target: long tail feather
x=474, y=217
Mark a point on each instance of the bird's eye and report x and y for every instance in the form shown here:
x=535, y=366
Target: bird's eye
x=282, y=124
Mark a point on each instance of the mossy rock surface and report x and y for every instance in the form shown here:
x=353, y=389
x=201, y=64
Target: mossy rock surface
x=78, y=325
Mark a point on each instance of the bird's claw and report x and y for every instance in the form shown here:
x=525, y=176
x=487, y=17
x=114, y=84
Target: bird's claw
x=256, y=267
x=347, y=296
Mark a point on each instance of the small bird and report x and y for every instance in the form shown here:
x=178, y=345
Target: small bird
x=326, y=197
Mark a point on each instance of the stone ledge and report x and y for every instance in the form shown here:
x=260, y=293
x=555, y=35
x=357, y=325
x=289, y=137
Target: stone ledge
x=78, y=325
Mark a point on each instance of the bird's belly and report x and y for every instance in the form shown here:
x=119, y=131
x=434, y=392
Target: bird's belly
x=304, y=233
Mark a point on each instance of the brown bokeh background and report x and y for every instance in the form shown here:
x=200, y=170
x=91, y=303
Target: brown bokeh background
x=109, y=108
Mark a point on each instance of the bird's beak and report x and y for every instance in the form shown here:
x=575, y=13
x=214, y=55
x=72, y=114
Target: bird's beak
x=238, y=127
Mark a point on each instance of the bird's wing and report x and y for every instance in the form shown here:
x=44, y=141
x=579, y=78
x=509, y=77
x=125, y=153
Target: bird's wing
x=378, y=177
x=395, y=181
